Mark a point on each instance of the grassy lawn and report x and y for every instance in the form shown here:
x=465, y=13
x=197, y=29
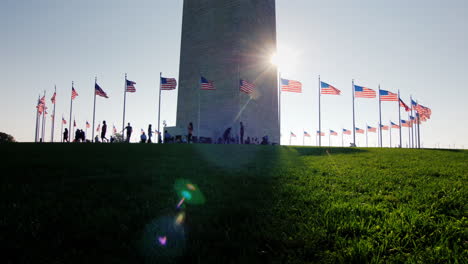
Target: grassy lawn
x=116, y=203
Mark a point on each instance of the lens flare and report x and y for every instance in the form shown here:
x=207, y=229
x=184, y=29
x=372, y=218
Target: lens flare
x=186, y=195
x=189, y=192
x=180, y=218
x=162, y=240
x=180, y=203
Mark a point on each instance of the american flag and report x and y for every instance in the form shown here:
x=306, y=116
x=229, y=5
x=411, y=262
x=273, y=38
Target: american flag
x=98, y=128
x=328, y=89
x=291, y=86
x=405, y=123
x=423, y=111
x=394, y=125
x=388, y=96
x=320, y=133
x=364, y=92
x=359, y=131
x=168, y=83
x=371, y=129
x=293, y=135
x=130, y=86
x=64, y=121
x=74, y=93
x=333, y=133
x=383, y=127
x=41, y=105
x=346, y=131
x=115, y=129
x=402, y=104
x=246, y=87
x=306, y=134
x=98, y=90
x=87, y=125
x=206, y=84
x=53, y=98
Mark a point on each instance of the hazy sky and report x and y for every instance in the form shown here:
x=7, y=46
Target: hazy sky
x=419, y=47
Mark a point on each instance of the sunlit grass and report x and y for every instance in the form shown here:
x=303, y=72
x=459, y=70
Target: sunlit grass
x=249, y=204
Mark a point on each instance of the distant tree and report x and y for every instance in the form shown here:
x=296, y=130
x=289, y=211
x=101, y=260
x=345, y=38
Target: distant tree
x=5, y=138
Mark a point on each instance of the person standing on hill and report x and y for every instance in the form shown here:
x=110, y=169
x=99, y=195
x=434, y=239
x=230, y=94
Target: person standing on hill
x=150, y=133
x=190, y=132
x=103, y=132
x=227, y=135
x=129, y=132
x=241, y=133
x=65, y=135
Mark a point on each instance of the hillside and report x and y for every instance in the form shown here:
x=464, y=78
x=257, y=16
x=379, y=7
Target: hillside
x=117, y=203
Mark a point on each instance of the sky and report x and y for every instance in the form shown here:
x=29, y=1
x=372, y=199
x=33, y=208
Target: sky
x=419, y=47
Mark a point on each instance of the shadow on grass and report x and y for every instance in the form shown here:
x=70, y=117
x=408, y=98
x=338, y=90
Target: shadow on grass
x=76, y=203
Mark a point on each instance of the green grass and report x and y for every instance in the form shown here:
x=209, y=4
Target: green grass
x=81, y=203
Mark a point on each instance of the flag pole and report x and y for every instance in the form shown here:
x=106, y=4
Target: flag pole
x=329, y=138
x=303, y=137
x=43, y=119
x=411, y=120
x=125, y=101
x=354, y=117
x=290, y=136
x=279, y=104
x=37, y=118
x=320, y=123
x=199, y=112
x=342, y=138
x=390, y=132
x=399, y=115
x=53, y=119
x=367, y=142
x=94, y=110
x=380, y=120
x=61, y=130
x=159, y=107
x=71, y=109
x=409, y=132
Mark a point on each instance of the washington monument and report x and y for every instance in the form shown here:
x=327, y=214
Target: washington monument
x=226, y=41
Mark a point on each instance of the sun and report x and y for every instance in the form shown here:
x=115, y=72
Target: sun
x=286, y=59
x=274, y=59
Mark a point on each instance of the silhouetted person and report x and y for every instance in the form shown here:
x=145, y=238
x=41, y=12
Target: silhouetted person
x=150, y=133
x=96, y=139
x=241, y=133
x=227, y=135
x=190, y=132
x=103, y=132
x=65, y=135
x=143, y=137
x=167, y=137
x=129, y=132
x=77, y=136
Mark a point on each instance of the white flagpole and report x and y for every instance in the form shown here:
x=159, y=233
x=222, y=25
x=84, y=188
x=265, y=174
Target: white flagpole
x=43, y=119
x=69, y=120
x=125, y=100
x=320, y=123
x=53, y=119
x=159, y=107
x=94, y=110
x=367, y=142
x=37, y=118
